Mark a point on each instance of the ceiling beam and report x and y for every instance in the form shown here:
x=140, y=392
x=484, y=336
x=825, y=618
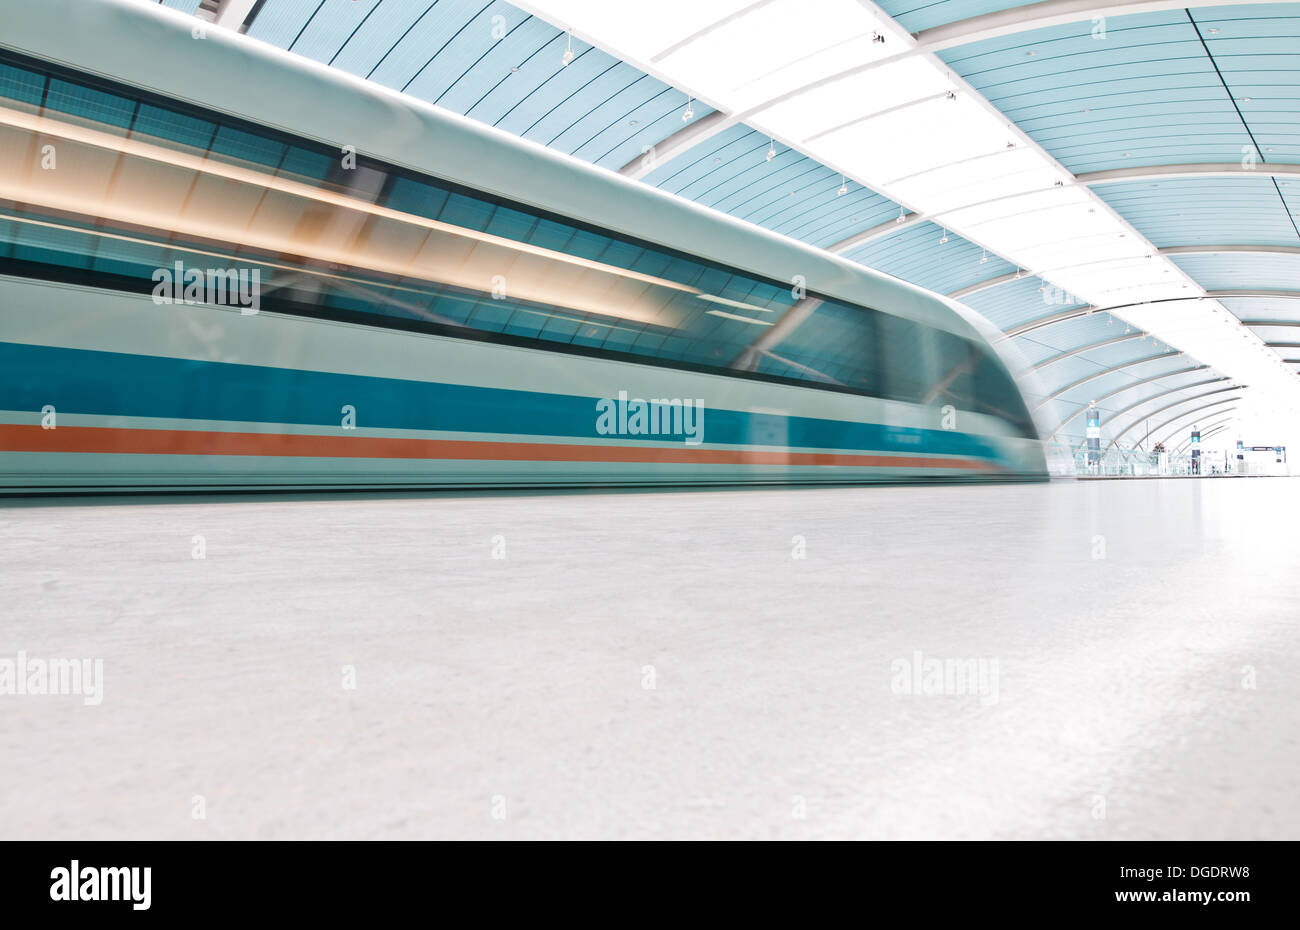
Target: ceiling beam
x=991, y=282
x=879, y=231
x=684, y=139
x=883, y=230
x=1189, y=417
x=1165, y=393
x=1076, y=312
x=1068, y=353
x=1041, y=15
x=1251, y=292
x=1228, y=169
x=1160, y=394
x=1050, y=320
x=1178, y=403
x=1213, y=249
x=1120, y=390
x=1112, y=370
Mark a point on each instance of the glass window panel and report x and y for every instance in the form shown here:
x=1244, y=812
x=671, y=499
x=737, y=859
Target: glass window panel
x=21, y=85
x=154, y=124
x=248, y=147
x=89, y=103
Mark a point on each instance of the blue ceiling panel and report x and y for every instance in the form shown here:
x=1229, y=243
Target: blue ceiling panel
x=1155, y=415
x=1014, y=303
x=1096, y=102
x=1080, y=331
x=1058, y=374
x=366, y=44
x=915, y=254
x=1276, y=334
x=1119, y=388
x=675, y=174
x=915, y=15
x=1204, y=211
x=471, y=61
x=1272, y=308
x=279, y=22
x=1140, y=390
x=1242, y=270
x=314, y=29
x=1147, y=91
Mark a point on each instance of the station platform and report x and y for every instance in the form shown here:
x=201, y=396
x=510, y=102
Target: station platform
x=662, y=665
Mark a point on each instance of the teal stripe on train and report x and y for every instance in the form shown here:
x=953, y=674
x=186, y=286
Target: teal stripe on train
x=80, y=381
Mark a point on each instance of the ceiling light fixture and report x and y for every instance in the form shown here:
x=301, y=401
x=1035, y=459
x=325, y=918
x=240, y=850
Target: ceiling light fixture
x=688, y=114
x=568, y=52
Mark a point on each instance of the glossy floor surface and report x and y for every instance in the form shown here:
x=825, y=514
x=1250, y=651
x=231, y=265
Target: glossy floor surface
x=1093, y=660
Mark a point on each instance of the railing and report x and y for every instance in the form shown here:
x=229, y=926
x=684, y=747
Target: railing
x=1139, y=463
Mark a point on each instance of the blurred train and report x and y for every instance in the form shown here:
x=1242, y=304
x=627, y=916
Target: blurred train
x=222, y=266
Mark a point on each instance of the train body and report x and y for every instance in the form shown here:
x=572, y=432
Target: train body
x=224, y=267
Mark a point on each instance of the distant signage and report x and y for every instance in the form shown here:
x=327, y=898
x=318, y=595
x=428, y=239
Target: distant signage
x=1093, y=434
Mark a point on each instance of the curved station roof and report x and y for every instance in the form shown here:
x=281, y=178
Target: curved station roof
x=1115, y=186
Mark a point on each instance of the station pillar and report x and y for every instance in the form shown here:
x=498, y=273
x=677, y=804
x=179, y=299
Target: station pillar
x=1094, y=435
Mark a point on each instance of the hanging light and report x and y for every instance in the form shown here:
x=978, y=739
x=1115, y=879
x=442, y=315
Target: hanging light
x=985, y=257
x=568, y=52
x=944, y=240
x=771, y=150
x=844, y=187
x=688, y=114
x=901, y=216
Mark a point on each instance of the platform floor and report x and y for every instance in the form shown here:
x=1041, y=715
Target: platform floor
x=508, y=697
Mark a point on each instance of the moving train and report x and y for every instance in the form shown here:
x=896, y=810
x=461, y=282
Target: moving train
x=225, y=267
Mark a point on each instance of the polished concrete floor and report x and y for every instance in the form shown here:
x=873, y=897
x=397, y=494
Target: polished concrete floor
x=709, y=664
